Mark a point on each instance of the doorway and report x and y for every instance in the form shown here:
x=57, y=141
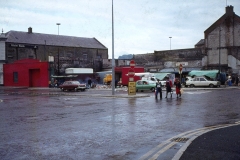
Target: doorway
x=34, y=78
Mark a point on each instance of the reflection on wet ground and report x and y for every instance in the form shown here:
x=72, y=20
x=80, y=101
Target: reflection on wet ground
x=35, y=125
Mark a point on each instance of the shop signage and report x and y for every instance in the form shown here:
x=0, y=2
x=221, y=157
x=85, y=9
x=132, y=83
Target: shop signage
x=23, y=46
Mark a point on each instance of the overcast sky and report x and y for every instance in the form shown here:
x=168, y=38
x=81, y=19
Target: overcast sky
x=140, y=26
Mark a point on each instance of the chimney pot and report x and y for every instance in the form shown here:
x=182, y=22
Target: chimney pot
x=30, y=30
x=229, y=10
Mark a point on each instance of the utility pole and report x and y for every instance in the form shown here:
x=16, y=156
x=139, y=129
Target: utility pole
x=219, y=58
x=58, y=50
x=113, y=60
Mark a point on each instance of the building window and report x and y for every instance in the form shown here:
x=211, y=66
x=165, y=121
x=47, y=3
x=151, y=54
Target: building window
x=10, y=56
x=22, y=50
x=85, y=56
x=15, y=77
x=30, y=56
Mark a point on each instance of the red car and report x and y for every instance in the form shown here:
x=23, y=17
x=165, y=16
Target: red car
x=72, y=85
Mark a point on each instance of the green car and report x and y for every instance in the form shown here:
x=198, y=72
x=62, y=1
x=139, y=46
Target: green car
x=145, y=85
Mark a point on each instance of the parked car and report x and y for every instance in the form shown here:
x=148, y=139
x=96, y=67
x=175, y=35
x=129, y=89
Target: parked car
x=142, y=85
x=73, y=85
x=163, y=82
x=202, y=82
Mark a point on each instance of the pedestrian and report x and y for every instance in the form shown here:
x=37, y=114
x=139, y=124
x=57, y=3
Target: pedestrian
x=89, y=83
x=49, y=84
x=229, y=81
x=158, y=89
x=233, y=80
x=116, y=83
x=237, y=80
x=178, y=88
x=55, y=83
x=168, y=87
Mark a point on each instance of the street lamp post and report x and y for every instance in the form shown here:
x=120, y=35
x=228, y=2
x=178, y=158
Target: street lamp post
x=170, y=42
x=219, y=58
x=58, y=24
x=113, y=60
x=51, y=71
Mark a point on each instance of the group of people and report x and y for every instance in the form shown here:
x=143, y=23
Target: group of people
x=234, y=80
x=169, y=90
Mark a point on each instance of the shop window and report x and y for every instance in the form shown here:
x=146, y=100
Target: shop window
x=15, y=77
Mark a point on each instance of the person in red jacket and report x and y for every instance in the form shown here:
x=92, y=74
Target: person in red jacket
x=168, y=87
x=178, y=88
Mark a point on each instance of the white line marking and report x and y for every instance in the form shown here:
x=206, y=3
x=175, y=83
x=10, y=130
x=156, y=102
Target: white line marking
x=155, y=156
x=184, y=147
x=165, y=142
x=195, y=133
x=197, y=92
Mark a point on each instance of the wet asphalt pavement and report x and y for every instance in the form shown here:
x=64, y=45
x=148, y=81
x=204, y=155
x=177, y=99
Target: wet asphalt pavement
x=50, y=124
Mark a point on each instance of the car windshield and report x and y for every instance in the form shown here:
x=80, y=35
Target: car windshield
x=71, y=82
x=208, y=78
x=75, y=82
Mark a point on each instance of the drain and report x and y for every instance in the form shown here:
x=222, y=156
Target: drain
x=180, y=139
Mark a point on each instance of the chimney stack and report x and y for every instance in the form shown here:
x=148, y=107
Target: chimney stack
x=229, y=10
x=30, y=30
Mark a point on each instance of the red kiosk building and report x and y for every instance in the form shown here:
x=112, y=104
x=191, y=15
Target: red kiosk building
x=26, y=72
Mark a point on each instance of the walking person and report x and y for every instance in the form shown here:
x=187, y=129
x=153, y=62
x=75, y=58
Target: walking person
x=158, y=89
x=55, y=83
x=237, y=80
x=89, y=83
x=178, y=88
x=168, y=87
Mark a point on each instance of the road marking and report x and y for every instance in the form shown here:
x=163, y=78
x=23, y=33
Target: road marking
x=68, y=106
x=165, y=142
x=155, y=156
x=184, y=147
x=158, y=150
x=69, y=98
x=197, y=92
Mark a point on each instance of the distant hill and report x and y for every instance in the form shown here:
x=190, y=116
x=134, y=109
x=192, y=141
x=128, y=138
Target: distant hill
x=126, y=56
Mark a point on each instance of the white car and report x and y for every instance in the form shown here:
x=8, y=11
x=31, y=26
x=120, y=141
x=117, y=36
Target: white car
x=202, y=82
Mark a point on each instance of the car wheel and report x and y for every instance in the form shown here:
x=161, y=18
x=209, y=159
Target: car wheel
x=192, y=85
x=136, y=90
x=62, y=89
x=211, y=85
